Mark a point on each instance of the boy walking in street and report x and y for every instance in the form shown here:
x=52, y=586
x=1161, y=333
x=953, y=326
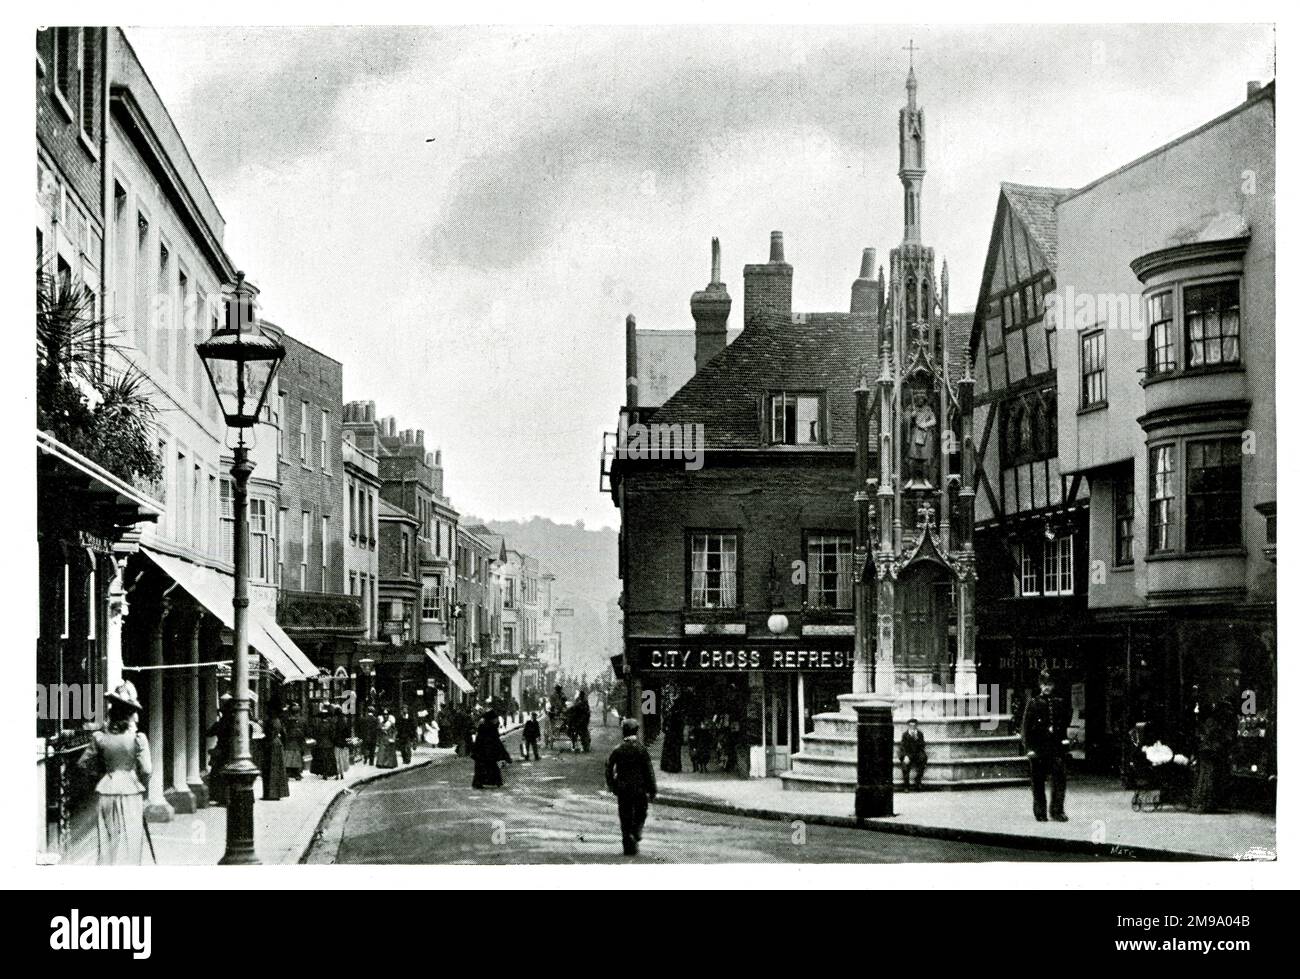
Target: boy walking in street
x=630, y=775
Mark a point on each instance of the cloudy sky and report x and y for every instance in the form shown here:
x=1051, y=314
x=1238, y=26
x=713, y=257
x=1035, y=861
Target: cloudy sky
x=464, y=216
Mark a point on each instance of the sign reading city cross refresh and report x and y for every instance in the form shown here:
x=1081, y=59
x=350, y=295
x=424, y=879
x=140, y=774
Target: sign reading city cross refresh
x=721, y=657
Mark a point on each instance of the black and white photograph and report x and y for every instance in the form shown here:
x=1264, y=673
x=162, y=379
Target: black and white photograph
x=610, y=446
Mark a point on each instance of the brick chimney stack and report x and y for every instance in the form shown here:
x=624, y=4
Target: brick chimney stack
x=710, y=307
x=769, y=289
x=864, y=297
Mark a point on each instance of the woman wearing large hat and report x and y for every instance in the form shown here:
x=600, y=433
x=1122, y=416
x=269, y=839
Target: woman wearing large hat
x=120, y=756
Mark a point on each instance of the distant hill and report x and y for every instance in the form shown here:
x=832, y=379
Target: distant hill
x=585, y=565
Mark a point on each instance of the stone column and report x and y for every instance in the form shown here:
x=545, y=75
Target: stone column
x=178, y=791
x=193, y=720
x=157, y=808
x=885, y=636
x=117, y=612
x=965, y=678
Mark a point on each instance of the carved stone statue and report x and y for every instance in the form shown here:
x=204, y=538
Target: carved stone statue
x=921, y=425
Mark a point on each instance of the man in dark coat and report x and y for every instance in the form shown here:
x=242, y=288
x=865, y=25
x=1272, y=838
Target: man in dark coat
x=580, y=722
x=532, y=735
x=406, y=735
x=630, y=775
x=368, y=731
x=488, y=753
x=911, y=754
x=1045, y=732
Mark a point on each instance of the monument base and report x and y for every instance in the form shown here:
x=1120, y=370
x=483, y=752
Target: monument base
x=968, y=745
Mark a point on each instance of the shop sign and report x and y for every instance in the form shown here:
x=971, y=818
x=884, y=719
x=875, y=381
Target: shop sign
x=720, y=658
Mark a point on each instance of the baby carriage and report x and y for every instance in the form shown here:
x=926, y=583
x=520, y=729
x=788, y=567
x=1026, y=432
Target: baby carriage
x=1158, y=776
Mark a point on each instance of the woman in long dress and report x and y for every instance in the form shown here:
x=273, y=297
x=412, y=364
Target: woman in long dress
x=275, y=780
x=322, y=753
x=293, y=743
x=488, y=753
x=342, y=732
x=386, y=756
x=120, y=755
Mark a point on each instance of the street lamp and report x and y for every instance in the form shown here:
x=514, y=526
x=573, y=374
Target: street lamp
x=241, y=362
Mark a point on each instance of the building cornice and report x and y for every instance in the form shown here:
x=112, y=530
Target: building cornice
x=123, y=104
x=1188, y=255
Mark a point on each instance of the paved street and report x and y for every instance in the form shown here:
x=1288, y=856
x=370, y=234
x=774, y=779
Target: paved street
x=556, y=811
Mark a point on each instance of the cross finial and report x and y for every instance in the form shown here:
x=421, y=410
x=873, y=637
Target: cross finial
x=925, y=512
x=910, y=49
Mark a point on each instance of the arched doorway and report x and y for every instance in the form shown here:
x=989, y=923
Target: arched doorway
x=925, y=608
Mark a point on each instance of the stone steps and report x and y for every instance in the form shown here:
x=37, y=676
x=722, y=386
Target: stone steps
x=937, y=749
x=797, y=782
x=943, y=728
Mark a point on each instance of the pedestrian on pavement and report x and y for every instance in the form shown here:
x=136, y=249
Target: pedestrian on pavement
x=1215, y=734
x=1046, y=739
x=119, y=755
x=293, y=742
x=532, y=735
x=323, y=761
x=406, y=735
x=275, y=779
x=700, y=745
x=369, y=731
x=911, y=754
x=387, y=754
x=629, y=774
x=342, y=735
x=219, y=757
x=488, y=753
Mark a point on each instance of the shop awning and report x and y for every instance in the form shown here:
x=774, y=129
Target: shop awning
x=216, y=593
x=444, y=663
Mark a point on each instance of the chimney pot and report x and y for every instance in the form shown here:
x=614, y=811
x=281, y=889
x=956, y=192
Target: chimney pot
x=868, y=263
x=437, y=457
x=1252, y=88
x=716, y=277
x=778, y=248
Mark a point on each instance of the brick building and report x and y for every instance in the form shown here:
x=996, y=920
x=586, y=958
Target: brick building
x=714, y=618
x=315, y=607
x=123, y=210
x=401, y=670
x=477, y=551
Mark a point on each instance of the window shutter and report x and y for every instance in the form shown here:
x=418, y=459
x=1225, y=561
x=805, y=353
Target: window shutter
x=824, y=418
x=764, y=420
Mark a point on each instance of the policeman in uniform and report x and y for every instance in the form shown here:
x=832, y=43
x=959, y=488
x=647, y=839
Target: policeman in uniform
x=1045, y=733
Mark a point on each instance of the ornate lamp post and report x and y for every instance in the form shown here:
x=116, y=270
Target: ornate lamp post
x=241, y=362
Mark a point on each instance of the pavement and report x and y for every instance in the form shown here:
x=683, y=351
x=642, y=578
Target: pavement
x=557, y=811
x=285, y=828
x=1102, y=821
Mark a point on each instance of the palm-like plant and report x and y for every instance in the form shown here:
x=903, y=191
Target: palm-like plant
x=105, y=414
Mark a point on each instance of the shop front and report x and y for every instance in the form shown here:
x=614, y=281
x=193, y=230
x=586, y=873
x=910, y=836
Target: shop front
x=736, y=706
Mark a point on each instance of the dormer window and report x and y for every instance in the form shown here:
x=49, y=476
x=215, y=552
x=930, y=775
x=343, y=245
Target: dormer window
x=796, y=419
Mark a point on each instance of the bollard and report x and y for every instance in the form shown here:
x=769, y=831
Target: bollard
x=875, y=790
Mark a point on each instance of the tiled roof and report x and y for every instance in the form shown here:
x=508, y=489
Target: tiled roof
x=957, y=340
x=818, y=351
x=1036, y=209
